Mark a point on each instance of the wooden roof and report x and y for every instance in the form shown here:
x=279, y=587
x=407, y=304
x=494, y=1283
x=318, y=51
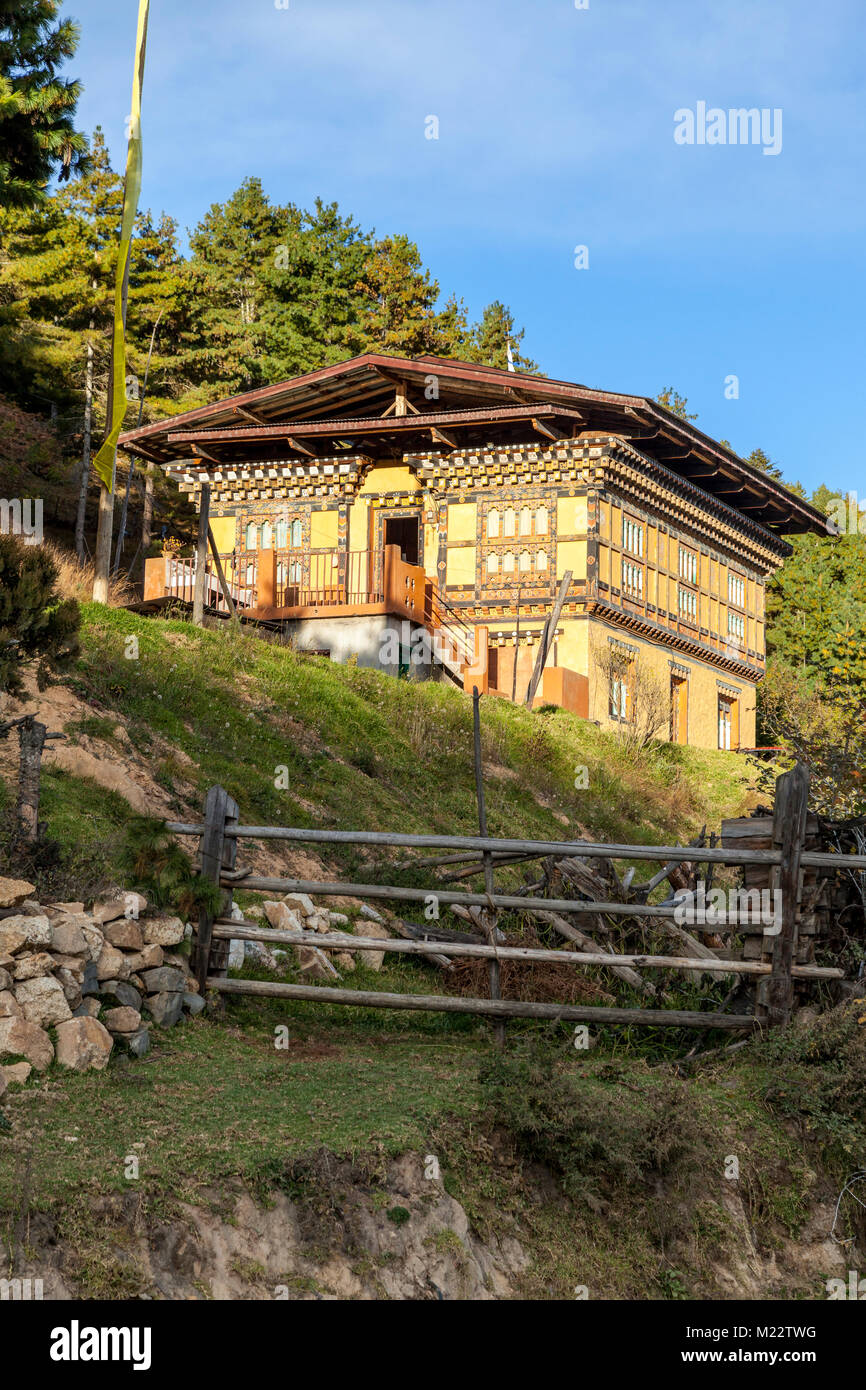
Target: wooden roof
x=350, y=405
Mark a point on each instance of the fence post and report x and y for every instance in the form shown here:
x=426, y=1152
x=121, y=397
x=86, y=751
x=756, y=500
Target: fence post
x=217, y=853
x=199, y=598
x=493, y=967
x=789, y=834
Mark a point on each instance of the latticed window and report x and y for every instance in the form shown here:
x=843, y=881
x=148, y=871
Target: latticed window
x=508, y=523
x=493, y=523
x=618, y=694
x=282, y=533
x=296, y=532
x=251, y=536
x=525, y=521
x=632, y=579
x=632, y=536
x=492, y=563
x=687, y=602
x=541, y=521
x=525, y=561
x=267, y=536
x=737, y=590
x=541, y=560
x=508, y=562
x=688, y=565
x=736, y=626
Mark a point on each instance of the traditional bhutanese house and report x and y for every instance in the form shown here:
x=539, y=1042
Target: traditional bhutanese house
x=399, y=511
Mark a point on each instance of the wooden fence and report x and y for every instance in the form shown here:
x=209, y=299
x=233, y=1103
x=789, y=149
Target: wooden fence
x=221, y=833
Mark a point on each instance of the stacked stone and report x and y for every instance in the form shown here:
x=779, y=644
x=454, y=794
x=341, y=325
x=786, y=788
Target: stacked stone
x=297, y=912
x=90, y=976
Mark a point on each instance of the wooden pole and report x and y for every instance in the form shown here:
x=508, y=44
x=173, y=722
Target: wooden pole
x=488, y=1008
x=490, y=927
x=220, y=575
x=516, y=651
x=201, y=557
x=789, y=833
x=547, y=639
x=218, y=853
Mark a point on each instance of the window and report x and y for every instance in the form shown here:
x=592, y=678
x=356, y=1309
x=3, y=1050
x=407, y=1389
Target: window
x=737, y=626
x=251, y=536
x=525, y=521
x=688, y=565
x=282, y=533
x=541, y=522
x=687, y=602
x=508, y=522
x=525, y=562
x=267, y=536
x=736, y=590
x=541, y=560
x=632, y=536
x=632, y=579
x=492, y=563
x=295, y=572
x=726, y=720
x=493, y=524
x=618, y=703
x=508, y=562
x=296, y=532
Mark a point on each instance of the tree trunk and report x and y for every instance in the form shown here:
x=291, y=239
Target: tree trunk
x=31, y=741
x=85, y=458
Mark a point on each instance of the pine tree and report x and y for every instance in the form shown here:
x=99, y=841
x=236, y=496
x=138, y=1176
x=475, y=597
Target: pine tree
x=490, y=339
x=37, y=109
x=675, y=403
x=400, y=313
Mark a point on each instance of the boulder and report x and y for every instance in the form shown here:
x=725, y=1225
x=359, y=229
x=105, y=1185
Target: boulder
x=31, y=908
x=163, y=931
x=315, y=964
x=125, y=934
x=338, y=919
x=300, y=902
x=164, y=980
x=5, y=980
x=66, y=909
x=88, y=1008
x=94, y=937
x=90, y=982
x=17, y=1073
x=126, y=995
x=318, y=921
x=83, y=1044
x=165, y=1008
x=193, y=1003
x=112, y=964
x=71, y=986
x=131, y=905
x=74, y=964
x=30, y=964
x=68, y=939
x=374, y=959
x=137, y=1043
x=15, y=891
x=43, y=1001
x=347, y=962
x=148, y=958
x=122, y=1020
x=283, y=917
x=20, y=1038
x=9, y=1006
x=22, y=930
x=236, y=954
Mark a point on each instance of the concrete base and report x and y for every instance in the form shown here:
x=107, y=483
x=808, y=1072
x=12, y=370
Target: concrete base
x=378, y=640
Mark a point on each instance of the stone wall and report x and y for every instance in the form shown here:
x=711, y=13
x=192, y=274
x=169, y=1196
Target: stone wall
x=75, y=984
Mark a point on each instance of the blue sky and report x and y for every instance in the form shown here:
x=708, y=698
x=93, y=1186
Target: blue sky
x=556, y=130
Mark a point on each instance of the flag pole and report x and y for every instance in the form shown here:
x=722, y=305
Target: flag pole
x=105, y=463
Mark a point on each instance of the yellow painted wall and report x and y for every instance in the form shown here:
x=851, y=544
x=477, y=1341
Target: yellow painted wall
x=323, y=530
x=571, y=516
x=390, y=478
x=460, y=565
x=571, y=555
x=431, y=551
x=703, y=694
x=223, y=528
x=462, y=518
x=359, y=523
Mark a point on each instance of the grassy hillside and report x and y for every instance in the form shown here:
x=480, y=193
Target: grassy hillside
x=184, y=709
x=156, y=712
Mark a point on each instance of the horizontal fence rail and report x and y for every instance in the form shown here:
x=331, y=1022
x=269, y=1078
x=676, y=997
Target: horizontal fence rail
x=489, y=1008
x=340, y=941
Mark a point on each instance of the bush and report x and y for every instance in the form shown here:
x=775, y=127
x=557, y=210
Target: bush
x=35, y=623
